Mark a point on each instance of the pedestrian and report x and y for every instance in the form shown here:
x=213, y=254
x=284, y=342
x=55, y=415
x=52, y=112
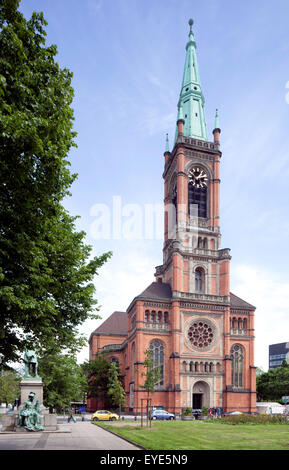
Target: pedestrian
x=71, y=417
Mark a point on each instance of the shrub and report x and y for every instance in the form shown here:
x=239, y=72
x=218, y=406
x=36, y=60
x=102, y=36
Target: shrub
x=187, y=412
x=205, y=411
x=255, y=419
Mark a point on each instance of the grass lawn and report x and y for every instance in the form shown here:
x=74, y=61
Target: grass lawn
x=202, y=435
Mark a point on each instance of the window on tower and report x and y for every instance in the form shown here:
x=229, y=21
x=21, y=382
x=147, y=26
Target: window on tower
x=199, y=280
x=198, y=196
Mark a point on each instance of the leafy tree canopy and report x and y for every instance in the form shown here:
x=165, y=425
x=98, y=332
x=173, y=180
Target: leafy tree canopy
x=274, y=384
x=115, y=388
x=151, y=374
x=97, y=374
x=9, y=386
x=63, y=379
x=46, y=269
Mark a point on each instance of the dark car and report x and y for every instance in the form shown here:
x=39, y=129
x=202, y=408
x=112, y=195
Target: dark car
x=196, y=413
x=162, y=414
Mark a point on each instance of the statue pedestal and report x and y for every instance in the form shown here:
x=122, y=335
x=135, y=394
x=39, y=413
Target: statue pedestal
x=28, y=385
x=31, y=384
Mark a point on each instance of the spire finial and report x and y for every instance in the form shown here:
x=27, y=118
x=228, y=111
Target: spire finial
x=217, y=120
x=167, y=143
x=191, y=22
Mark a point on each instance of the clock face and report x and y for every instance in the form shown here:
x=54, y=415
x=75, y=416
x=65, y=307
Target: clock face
x=198, y=177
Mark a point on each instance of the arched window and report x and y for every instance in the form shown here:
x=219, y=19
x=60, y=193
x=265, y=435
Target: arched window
x=197, y=191
x=199, y=280
x=237, y=356
x=158, y=356
x=133, y=360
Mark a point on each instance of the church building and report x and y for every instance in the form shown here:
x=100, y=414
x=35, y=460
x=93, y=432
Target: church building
x=200, y=334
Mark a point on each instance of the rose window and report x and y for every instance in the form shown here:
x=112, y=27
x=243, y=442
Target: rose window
x=201, y=334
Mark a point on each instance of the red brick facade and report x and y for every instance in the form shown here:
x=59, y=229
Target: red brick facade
x=201, y=334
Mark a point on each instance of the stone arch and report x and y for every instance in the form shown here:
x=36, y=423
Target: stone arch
x=200, y=394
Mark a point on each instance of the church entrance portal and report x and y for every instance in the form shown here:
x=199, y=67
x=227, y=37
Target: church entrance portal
x=197, y=401
x=200, y=395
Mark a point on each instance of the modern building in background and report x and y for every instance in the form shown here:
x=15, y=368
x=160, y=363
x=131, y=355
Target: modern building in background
x=277, y=354
x=201, y=335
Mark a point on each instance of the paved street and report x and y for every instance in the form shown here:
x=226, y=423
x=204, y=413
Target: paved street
x=73, y=436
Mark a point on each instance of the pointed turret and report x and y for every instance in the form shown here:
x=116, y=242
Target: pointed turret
x=191, y=101
x=217, y=130
x=167, y=149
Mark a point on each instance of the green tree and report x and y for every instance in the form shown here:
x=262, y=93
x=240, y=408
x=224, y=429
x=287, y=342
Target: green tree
x=46, y=269
x=274, y=384
x=97, y=375
x=9, y=386
x=151, y=373
x=115, y=388
x=63, y=380
x=152, y=377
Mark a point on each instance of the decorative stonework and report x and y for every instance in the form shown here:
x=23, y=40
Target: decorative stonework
x=201, y=334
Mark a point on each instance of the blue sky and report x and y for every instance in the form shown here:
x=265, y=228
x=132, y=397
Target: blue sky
x=127, y=57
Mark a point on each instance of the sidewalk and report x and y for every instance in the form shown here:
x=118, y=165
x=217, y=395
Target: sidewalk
x=82, y=435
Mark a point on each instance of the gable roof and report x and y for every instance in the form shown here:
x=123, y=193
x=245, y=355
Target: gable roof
x=157, y=290
x=115, y=324
x=237, y=302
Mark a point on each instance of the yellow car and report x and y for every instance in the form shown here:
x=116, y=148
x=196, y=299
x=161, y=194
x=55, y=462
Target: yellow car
x=103, y=415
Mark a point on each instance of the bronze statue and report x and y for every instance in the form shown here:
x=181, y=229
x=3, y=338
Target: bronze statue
x=30, y=415
x=30, y=361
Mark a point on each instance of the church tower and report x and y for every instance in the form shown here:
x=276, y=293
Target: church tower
x=201, y=335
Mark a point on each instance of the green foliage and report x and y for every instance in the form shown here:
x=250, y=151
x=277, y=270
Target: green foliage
x=9, y=386
x=96, y=372
x=151, y=374
x=115, y=388
x=187, y=412
x=63, y=380
x=254, y=419
x=205, y=411
x=46, y=270
x=274, y=384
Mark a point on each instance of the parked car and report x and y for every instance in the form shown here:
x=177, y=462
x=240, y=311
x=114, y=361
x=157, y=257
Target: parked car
x=196, y=413
x=162, y=414
x=103, y=415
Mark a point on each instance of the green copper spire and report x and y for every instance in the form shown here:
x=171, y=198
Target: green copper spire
x=191, y=101
x=167, y=143
x=217, y=125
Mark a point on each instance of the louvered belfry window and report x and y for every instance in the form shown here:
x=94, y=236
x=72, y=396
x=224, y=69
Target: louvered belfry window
x=198, y=196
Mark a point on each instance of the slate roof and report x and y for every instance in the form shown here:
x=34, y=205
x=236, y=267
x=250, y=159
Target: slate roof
x=157, y=290
x=117, y=324
x=236, y=302
x=163, y=291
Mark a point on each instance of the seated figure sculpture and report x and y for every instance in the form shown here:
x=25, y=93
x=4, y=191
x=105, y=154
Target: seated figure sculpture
x=30, y=415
